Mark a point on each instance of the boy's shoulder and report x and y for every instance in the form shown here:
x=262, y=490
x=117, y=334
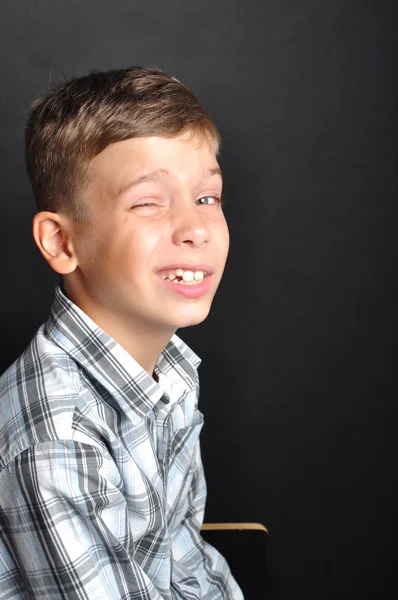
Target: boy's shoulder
x=38, y=395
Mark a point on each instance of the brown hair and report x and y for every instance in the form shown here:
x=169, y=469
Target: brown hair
x=71, y=124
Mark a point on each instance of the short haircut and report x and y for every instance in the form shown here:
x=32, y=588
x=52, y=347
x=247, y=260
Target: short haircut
x=70, y=125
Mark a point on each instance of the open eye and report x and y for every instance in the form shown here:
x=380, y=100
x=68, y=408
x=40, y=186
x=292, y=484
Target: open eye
x=207, y=200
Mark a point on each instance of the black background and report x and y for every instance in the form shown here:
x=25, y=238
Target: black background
x=298, y=377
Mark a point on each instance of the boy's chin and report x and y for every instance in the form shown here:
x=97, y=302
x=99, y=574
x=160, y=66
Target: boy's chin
x=188, y=320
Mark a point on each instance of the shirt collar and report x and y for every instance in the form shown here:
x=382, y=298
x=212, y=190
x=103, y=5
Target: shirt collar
x=111, y=365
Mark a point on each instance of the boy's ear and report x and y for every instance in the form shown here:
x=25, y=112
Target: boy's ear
x=52, y=238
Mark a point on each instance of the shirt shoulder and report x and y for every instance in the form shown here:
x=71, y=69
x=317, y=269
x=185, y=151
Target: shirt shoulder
x=38, y=396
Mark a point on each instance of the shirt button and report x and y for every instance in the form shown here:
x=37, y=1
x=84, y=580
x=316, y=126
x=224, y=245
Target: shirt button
x=165, y=398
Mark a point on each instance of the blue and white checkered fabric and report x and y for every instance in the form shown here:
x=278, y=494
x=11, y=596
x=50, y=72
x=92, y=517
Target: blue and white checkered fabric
x=102, y=491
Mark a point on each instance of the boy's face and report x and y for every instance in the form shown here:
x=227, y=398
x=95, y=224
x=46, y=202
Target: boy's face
x=155, y=208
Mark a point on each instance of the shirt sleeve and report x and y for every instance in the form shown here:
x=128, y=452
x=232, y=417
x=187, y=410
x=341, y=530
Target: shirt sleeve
x=65, y=531
x=196, y=564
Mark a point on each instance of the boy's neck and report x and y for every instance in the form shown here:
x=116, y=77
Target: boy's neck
x=144, y=344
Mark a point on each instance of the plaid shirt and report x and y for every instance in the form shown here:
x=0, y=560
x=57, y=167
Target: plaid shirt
x=102, y=491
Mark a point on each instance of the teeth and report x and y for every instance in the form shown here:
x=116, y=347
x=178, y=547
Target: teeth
x=187, y=277
x=193, y=282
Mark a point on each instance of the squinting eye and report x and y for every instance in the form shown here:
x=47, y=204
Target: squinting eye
x=206, y=200
x=143, y=204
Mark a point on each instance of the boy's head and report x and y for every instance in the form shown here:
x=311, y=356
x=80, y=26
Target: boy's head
x=72, y=124
x=124, y=169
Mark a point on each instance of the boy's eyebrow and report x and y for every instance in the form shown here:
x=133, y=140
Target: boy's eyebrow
x=161, y=174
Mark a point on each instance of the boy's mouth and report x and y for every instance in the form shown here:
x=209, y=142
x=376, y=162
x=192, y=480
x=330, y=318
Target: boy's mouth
x=187, y=277
x=191, y=281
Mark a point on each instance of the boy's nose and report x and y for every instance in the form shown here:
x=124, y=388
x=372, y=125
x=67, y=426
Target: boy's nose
x=190, y=228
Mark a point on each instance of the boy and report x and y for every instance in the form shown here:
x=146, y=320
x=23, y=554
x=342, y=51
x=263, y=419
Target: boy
x=102, y=490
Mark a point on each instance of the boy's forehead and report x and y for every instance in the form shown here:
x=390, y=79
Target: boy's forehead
x=159, y=154
x=128, y=163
